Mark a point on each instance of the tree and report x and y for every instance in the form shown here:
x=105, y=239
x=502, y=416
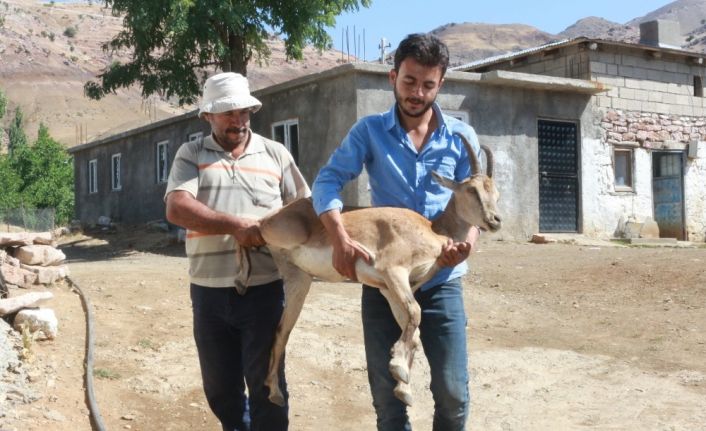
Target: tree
x=39, y=176
x=3, y=104
x=16, y=133
x=172, y=40
x=49, y=176
x=9, y=184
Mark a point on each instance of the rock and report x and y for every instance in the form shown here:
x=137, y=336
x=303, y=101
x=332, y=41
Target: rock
x=649, y=229
x=47, y=274
x=38, y=320
x=17, y=276
x=25, y=238
x=38, y=254
x=28, y=300
x=632, y=229
x=103, y=221
x=541, y=239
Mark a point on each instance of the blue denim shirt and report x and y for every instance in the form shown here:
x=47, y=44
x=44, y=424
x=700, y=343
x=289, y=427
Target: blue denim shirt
x=399, y=175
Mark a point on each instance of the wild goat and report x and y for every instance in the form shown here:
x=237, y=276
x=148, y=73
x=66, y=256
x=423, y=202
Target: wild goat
x=404, y=247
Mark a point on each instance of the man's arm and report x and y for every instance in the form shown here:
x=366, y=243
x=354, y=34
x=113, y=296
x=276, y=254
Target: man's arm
x=345, y=250
x=185, y=211
x=345, y=163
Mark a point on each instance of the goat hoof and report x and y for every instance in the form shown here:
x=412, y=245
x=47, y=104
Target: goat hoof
x=402, y=392
x=276, y=397
x=399, y=370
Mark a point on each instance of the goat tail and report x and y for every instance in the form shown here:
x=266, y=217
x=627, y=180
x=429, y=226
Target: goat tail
x=242, y=260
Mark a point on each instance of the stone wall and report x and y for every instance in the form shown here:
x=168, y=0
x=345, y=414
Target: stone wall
x=651, y=130
x=646, y=132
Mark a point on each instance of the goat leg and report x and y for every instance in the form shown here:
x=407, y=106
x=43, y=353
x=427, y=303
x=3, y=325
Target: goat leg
x=296, y=287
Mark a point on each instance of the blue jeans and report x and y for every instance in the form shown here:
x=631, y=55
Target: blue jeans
x=234, y=335
x=443, y=335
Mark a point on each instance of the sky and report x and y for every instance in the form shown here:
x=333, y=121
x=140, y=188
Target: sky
x=394, y=19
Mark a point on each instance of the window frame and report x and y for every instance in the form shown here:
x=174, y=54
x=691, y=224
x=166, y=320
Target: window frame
x=287, y=125
x=195, y=137
x=630, y=169
x=92, y=176
x=116, y=181
x=162, y=175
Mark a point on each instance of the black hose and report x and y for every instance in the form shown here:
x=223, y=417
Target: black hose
x=96, y=419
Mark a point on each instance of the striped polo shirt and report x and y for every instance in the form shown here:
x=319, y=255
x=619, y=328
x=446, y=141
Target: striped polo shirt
x=261, y=180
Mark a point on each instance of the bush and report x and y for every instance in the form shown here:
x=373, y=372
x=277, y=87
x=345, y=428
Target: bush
x=70, y=31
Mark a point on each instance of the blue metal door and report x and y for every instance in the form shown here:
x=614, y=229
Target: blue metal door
x=558, y=176
x=668, y=193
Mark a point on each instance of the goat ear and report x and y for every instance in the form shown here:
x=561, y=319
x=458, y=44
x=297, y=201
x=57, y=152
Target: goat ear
x=446, y=182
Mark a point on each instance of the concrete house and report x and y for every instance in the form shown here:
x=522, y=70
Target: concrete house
x=641, y=154
x=312, y=114
x=586, y=134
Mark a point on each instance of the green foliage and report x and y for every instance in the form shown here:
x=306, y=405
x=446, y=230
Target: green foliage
x=52, y=36
x=48, y=176
x=70, y=31
x=172, y=40
x=16, y=132
x=38, y=175
x=3, y=104
x=10, y=184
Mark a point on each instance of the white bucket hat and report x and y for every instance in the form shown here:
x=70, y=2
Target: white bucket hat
x=226, y=92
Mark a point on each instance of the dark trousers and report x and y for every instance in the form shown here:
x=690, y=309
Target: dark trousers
x=234, y=335
x=442, y=332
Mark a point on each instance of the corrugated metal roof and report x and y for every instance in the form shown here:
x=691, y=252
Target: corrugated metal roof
x=503, y=57
x=509, y=56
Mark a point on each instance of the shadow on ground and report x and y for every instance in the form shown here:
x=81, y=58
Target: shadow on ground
x=97, y=244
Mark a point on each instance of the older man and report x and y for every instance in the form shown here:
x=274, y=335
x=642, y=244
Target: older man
x=217, y=190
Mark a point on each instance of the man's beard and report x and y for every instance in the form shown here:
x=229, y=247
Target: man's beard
x=234, y=142
x=423, y=111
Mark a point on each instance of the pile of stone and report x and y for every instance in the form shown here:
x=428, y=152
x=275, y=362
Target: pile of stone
x=28, y=261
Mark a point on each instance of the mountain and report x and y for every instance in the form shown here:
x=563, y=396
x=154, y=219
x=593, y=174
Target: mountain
x=600, y=28
x=49, y=50
x=691, y=14
x=472, y=41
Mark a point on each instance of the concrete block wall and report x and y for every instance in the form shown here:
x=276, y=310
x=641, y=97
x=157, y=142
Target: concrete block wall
x=639, y=81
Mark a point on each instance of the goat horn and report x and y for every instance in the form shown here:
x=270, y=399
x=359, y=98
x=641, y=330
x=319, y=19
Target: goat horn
x=488, y=160
x=473, y=157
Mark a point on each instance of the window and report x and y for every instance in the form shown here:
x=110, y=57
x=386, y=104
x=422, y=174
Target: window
x=698, y=87
x=623, y=169
x=115, y=182
x=195, y=137
x=287, y=133
x=459, y=115
x=93, y=176
x=162, y=161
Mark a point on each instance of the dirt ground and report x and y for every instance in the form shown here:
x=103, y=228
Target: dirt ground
x=561, y=337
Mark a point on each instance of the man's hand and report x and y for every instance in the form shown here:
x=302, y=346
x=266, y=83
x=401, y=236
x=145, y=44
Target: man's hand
x=345, y=253
x=345, y=250
x=249, y=235
x=454, y=253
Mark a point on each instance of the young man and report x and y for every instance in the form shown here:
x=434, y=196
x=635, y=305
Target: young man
x=399, y=149
x=217, y=190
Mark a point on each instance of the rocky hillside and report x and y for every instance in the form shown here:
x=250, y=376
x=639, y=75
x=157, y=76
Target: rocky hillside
x=472, y=41
x=48, y=51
